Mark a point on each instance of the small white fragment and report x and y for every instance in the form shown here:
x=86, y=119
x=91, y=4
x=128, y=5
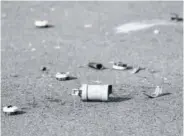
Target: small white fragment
x=75, y=92
x=135, y=70
x=158, y=92
x=43, y=23
x=62, y=75
x=156, y=31
x=88, y=25
x=33, y=49
x=10, y=109
x=119, y=66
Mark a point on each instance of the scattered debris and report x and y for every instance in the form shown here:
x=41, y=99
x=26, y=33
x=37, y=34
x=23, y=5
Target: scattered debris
x=95, y=65
x=156, y=31
x=136, y=70
x=176, y=17
x=10, y=109
x=43, y=68
x=76, y=92
x=158, y=92
x=42, y=24
x=119, y=66
x=61, y=76
x=93, y=92
x=88, y=25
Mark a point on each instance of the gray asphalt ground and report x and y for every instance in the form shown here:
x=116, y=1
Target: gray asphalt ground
x=49, y=108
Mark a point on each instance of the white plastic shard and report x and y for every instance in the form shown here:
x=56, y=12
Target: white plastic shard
x=135, y=70
x=158, y=92
x=141, y=25
x=62, y=76
x=43, y=23
x=10, y=109
x=119, y=66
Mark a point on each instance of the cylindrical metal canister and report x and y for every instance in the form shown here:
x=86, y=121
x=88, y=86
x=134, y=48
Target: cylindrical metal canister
x=95, y=92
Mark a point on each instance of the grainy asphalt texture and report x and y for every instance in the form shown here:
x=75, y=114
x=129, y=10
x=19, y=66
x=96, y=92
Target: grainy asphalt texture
x=49, y=108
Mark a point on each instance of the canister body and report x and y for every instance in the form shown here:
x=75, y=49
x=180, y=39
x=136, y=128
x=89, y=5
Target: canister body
x=95, y=92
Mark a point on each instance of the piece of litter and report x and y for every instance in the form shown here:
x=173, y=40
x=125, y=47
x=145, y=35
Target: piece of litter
x=93, y=92
x=156, y=31
x=76, y=92
x=158, y=92
x=88, y=25
x=119, y=66
x=135, y=70
x=43, y=68
x=61, y=76
x=95, y=65
x=41, y=24
x=33, y=49
x=10, y=109
x=176, y=17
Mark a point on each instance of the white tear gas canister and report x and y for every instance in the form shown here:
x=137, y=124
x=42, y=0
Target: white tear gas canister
x=95, y=92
